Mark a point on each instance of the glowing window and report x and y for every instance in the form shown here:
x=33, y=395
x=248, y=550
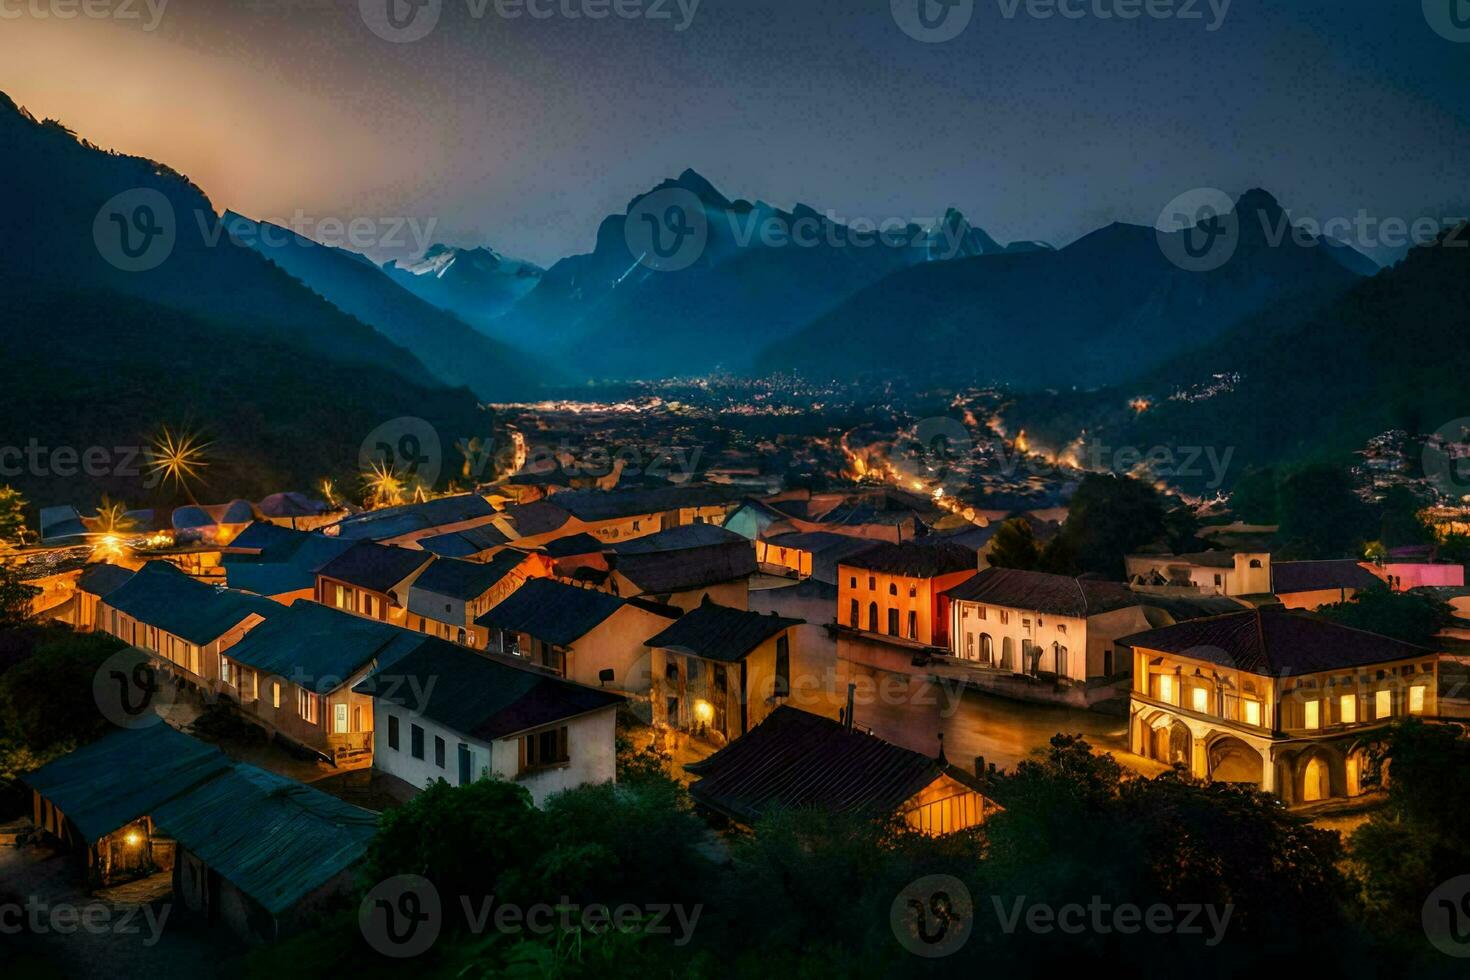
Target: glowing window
x=1252, y=712
x=1384, y=706
x=1314, y=715
x=1201, y=699
x=1166, y=688
x=1348, y=708
x=1416, y=700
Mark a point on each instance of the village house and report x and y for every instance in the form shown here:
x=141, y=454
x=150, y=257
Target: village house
x=620, y=514
x=809, y=554
x=258, y=852
x=450, y=595
x=719, y=671
x=1029, y=627
x=295, y=675
x=1204, y=573
x=371, y=580
x=897, y=590
x=472, y=544
x=1313, y=584
x=94, y=585
x=184, y=624
x=452, y=714
x=533, y=524
x=406, y=524
x=297, y=511
x=278, y=562
x=684, y=566
x=586, y=636
x=1275, y=699
x=794, y=760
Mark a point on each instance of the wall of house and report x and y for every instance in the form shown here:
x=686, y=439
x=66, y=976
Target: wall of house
x=1315, y=599
x=792, y=559
x=735, y=594
x=1090, y=642
x=591, y=746
x=919, y=596
x=745, y=707
x=256, y=694
x=619, y=643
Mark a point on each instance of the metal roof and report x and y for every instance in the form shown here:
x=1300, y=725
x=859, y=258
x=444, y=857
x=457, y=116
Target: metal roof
x=160, y=595
x=316, y=645
x=716, y=632
x=552, y=611
x=375, y=567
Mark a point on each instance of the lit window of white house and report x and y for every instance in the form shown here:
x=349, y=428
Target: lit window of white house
x=1201, y=698
x=1166, y=688
x=1348, y=708
x=1416, y=700
x=1314, y=714
x=275, y=694
x=1252, y=712
x=306, y=706
x=1384, y=704
x=224, y=671
x=344, y=597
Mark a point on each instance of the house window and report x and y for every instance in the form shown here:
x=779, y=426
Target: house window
x=913, y=625
x=637, y=525
x=371, y=606
x=1416, y=700
x=1313, y=715
x=987, y=648
x=415, y=741
x=464, y=764
x=1383, y=707
x=344, y=598
x=1007, y=654
x=275, y=694
x=913, y=591
x=872, y=617
x=969, y=646
x=1005, y=617
x=852, y=582
x=982, y=611
x=1062, y=662
x=872, y=583
x=1166, y=688
x=856, y=615
x=393, y=732
x=1252, y=712
x=438, y=751
x=1107, y=663
x=893, y=588
x=306, y=706
x=224, y=671
x=783, y=666
x=339, y=719
x=1218, y=581
x=893, y=622
x=1062, y=628
x=1347, y=707
x=1201, y=700
x=543, y=749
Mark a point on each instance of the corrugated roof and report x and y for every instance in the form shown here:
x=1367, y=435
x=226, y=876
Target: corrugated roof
x=916, y=559
x=1313, y=576
x=375, y=567
x=1060, y=595
x=716, y=632
x=108, y=784
x=187, y=608
x=1274, y=642
x=273, y=838
x=485, y=696
x=795, y=760
x=315, y=644
x=552, y=611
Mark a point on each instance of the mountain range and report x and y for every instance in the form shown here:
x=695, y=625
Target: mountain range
x=476, y=284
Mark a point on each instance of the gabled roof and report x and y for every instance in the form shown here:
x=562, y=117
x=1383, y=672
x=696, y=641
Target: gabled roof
x=715, y=632
x=1288, y=577
x=666, y=572
x=59, y=523
x=536, y=518
x=1060, y=595
x=263, y=535
x=916, y=559
x=681, y=538
x=1275, y=642
x=571, y=545
x=463, y=544
x=286, y=562
x=375, y=567
x=607, y=505
x=103, y=579
x=309, y=642
x=795, y=760
x=826, y=544
x=275, y=839
x=391, y=522
x=463, y=580
x=552, y=611
x=108, y=784
x=162, y=596
x=485, y=696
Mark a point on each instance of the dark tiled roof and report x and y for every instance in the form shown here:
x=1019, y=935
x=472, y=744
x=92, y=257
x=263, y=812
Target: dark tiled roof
x=607, y=505
x=1274, y=642
x=287, y=563
x=537, y=518
x=103, y=786
x=573, y=544
x=1060, y=595
x=1313, y=576
x=311, y=643
x=462, y=544
x=103, y=579
x=795, y=760
x=716, y=632
x=162, y=596
x=484, y=695
x=375, y=567
x=680, y=538
x=916, y=559
x=466, y=579
x=666, y=572
x=552, y=611
x=827, y=544
x=390, y=522
x=262, y=535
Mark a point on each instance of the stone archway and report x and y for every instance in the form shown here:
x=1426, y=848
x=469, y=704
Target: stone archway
x=1181, y=745
x=1231, y=760
x=1318, y=773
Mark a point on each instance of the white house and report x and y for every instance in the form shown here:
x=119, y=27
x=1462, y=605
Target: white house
x=446, y=712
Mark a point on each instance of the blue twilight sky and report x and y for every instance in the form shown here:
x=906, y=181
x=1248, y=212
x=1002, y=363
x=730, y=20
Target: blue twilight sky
x=522, y=133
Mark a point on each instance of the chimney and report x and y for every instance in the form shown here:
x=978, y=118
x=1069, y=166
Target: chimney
x=847, y=714
x=943, y=761
x=979, y=767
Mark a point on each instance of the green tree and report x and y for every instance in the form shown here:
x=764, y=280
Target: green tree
x=1109, y=517
x=1014, y=545
x=1253, y=501
x=46, y=698
x=15, y=596
x=1321, y=516
x=1399, y=521
x=12, y=517
x=1408, y=616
